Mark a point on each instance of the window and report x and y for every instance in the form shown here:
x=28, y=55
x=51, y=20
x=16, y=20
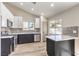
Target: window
x=28, y=25
x=55, y=27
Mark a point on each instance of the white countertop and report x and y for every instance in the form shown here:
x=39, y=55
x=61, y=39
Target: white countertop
x=26, y=33
x=6, y=37
x=61, y=37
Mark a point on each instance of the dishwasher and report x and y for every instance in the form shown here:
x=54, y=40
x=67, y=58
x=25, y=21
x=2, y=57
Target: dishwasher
x=37, y=38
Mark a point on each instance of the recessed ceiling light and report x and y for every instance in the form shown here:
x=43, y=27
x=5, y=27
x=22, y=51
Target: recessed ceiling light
x=51, y=4
x=32, y=9
x=42, y=13
x=59, y=25
x=60, y=20
x=21, y=3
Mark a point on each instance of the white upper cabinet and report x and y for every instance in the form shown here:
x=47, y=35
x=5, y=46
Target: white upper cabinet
x=37, y=23
x=6, y=14
x=0, y=8
x=17, y=22
x=20, y=24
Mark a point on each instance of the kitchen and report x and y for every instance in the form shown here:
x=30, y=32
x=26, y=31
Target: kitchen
x=15, y=26
x=23, y=29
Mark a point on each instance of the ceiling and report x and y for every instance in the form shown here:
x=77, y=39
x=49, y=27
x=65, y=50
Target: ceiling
x=44, y=7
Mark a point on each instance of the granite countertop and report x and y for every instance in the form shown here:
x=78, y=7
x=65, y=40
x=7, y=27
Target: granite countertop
x=6, y=37
x=26, y=33
x=14, y=34
x=61, y=37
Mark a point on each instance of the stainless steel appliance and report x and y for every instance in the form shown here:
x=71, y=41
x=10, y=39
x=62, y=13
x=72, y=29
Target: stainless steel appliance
x=9, y=23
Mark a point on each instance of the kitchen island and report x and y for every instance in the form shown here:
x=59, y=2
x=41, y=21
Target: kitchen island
x=60, y=45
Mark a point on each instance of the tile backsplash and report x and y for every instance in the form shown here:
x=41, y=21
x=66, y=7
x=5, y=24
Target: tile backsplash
x=18, y=30
x=72, y=31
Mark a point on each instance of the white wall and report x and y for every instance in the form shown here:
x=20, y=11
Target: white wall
x=69, y=17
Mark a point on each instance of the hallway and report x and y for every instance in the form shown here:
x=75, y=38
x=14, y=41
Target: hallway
x=30, y=49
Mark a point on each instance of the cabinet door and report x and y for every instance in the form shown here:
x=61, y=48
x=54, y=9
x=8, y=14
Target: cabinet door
x=37, y=38
x=20, y=24
x=25, y=38
x=37, y=23
x=5, y=47
x=12, y=44
x=17, y=23
x=50, y=47
x=67, y=47
x=4, y=22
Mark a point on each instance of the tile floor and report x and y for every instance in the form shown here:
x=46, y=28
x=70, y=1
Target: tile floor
x=30, y=49
x=34, y=49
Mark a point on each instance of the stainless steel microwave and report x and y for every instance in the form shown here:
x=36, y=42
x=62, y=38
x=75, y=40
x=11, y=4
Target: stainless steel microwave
x=9, y=23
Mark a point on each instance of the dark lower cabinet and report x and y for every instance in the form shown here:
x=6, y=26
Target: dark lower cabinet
x=12, y=44
x=7, y=46
x=60, y=48
x=50, y=47
x=25, y=38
